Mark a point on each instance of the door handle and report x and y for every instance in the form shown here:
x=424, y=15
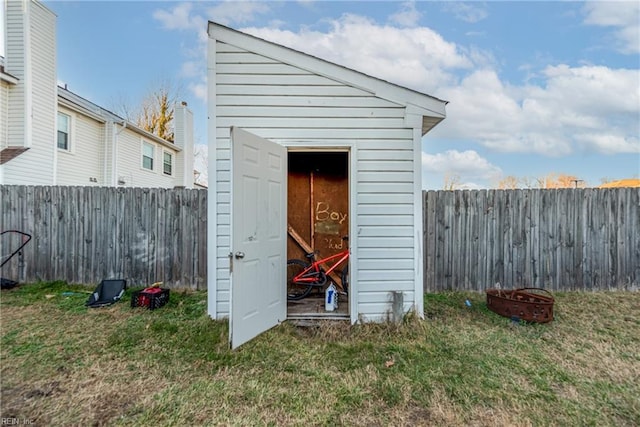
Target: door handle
x=239, y=255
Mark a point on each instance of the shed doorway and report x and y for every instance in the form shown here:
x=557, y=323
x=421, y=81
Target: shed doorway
x=318, y=216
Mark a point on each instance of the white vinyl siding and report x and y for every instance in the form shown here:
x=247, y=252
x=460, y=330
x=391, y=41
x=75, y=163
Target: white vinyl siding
x=45, y=96
x=84, y=163
x=14, y=64
x=129, y=163
x=286, y=104
x=31, y=57
x=3, y=29
x=4, y=111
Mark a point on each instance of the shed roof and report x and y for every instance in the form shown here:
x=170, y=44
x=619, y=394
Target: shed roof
x=429, y=107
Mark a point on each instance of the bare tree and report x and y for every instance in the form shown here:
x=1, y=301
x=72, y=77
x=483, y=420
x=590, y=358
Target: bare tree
x=156, y=115
x=512, y=182
x=509, y=183
x=551, y=180
x=559, y=180
x=155, y=112
x=451, y=181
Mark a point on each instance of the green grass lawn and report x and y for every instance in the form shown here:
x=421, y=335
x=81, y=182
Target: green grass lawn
x=63, y=364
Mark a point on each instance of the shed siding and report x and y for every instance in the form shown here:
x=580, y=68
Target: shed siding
x=85, y=159
x=37, y=74
x=287, y=104
x=129, y=147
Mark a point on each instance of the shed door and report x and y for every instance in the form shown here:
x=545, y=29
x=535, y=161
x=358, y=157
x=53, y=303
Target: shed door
x=259, y=230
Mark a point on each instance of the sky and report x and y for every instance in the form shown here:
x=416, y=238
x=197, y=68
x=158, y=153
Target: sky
x=533, y=88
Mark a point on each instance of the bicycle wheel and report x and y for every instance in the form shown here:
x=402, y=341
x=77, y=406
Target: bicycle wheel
x=345, y=279
x=296, y=291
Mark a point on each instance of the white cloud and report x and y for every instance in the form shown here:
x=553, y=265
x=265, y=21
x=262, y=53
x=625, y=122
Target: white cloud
x=179, y=18
x=468, y=164
x=611, y=142
x=238, y=12
x=467, y=12
x=464, y=170
x=588, y=108
x=199, y=90
x=594, y=89
x=568, y=109
x=415, y=57
x=407, y=16
x=184, y=17
x=191, y=69
x=623, y=16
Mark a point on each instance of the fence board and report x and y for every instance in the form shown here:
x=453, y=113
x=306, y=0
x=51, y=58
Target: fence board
x=562, y=240
x=86, y=234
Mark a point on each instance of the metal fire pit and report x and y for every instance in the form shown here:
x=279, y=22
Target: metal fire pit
x=524, y=304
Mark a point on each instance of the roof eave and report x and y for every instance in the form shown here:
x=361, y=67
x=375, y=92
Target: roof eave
x=6, y=77
x=74, y=100
x=83, y=106
x=153, y=137
x=429, y=123
x=79, y=109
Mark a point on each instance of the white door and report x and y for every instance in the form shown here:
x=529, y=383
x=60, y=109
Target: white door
x=258, y=233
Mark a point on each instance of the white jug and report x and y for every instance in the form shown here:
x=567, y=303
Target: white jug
x=331, y=298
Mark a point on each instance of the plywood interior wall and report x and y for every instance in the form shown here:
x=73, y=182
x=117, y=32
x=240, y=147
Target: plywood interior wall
x=318, y=201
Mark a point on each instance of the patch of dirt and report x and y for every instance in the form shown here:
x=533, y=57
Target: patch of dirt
x=18, y=402
x=417, y=416
x=44, y=391
x=111, y=406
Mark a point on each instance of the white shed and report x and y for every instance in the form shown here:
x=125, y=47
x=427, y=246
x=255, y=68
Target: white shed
x=281, y=119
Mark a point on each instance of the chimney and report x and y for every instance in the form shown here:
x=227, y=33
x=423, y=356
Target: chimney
x=183, y=138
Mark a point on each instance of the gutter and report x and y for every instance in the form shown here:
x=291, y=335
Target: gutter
x=80, y=110
x=153, y=137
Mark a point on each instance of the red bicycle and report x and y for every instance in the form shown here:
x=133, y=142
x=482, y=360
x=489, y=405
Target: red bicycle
x=303, y=277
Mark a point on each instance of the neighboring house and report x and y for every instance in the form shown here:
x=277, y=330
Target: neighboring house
x=52, y=136
x=326, y=124
x=97, y=147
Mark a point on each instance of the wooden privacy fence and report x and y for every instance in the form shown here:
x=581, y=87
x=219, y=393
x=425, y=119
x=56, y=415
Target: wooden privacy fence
x=86, y=234
x=573, y=239
x=569, y=239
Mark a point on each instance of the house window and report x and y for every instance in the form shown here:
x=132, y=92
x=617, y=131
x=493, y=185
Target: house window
x=147, y=155
x=64, y=125
x=167, y=163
